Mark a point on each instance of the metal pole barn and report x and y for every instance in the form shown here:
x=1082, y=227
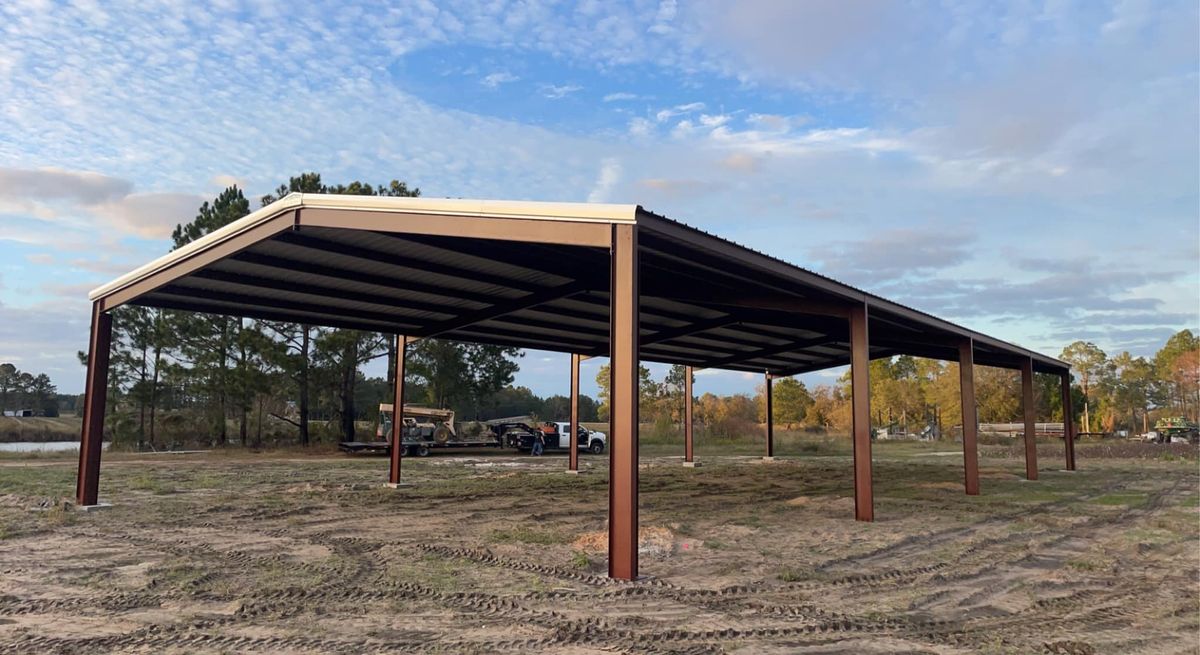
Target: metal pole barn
x=970, y=417
x=1027, y=402
x=413, y=266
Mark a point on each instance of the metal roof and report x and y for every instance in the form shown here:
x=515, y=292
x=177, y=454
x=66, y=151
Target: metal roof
x=533, y=275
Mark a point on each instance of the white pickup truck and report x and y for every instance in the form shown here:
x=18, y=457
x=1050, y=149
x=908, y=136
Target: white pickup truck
x=521, y=435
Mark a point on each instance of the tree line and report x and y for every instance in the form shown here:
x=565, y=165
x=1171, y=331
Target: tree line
x=922, y=396
x=1127, y=392
x=22, y=391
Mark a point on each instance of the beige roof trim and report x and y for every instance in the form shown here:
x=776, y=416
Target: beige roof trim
x=557, y=211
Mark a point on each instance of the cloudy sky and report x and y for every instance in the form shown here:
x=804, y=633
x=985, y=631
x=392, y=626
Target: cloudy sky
x=1029, y=169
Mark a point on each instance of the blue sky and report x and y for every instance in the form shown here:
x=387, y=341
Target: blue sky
x=1028, y=169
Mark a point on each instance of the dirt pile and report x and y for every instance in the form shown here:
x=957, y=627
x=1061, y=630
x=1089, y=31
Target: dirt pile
x=652, y=540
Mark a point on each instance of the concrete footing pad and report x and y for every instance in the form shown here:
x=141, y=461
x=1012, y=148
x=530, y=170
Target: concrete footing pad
x=397, y=485
x=98, y=507
x=691, y=465
x=570, y=472
x=768, y=459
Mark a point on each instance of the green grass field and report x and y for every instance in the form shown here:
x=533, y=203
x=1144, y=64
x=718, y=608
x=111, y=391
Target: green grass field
x=40, y=428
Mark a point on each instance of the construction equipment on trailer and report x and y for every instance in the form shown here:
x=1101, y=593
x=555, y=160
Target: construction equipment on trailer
x=1176, y=429
x=423, y=429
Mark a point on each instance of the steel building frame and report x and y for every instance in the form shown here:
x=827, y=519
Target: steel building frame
x=585, y=279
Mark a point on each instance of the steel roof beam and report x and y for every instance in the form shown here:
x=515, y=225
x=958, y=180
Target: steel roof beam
x=349, y=275
x=792, y=346
x=501, y=309
x=689, y=329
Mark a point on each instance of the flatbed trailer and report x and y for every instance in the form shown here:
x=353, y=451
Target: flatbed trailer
x=417, y=447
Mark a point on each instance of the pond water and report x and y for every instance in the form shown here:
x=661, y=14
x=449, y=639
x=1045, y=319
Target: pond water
x=42, y=446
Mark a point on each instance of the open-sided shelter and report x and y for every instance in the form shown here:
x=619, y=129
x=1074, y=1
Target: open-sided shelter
x=586, y=279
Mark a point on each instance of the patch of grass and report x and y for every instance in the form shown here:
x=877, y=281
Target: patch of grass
x=1148, y=535
x=580, y=560
x=435, y=572
x=715, y=544
x=148, y=482
x=102, y=579
x=59, y=515
x=51, y=481
x=525, y=535
x=1084, y=564
x=177, y=575
x=1126, y=499
x=749, y=520
x=790, y=574
x=205, y=481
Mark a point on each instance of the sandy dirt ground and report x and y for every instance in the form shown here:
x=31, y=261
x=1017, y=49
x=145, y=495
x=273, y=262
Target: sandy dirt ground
x=488, y=552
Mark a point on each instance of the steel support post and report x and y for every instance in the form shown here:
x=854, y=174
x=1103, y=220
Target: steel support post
x=688, y=453
x=970, y=419
x=770, y=418
x=1068, y=421
x=623, y=406
x=397, y=436
x=573, y=457
x=860, y=400
x=95, y=396
x=1031, y=466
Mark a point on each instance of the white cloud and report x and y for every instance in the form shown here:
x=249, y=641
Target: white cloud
x=56, y=184
x=151, y=215
x=620, y=96
x=226, y=181
x=494, y=80
x=664, y=115
x=81, y=199
x=554, y=92
x=640, y=127
x=610, y=174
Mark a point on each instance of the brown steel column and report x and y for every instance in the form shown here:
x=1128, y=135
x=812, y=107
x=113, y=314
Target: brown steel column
x=398, y=409
x=95, y=396
x=860, y=400
x=573, y=458
x=1068, y=421
x=688, y=455
x=623, y=406
x=770, y=418
x=1031, y=467
x=970, y=419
